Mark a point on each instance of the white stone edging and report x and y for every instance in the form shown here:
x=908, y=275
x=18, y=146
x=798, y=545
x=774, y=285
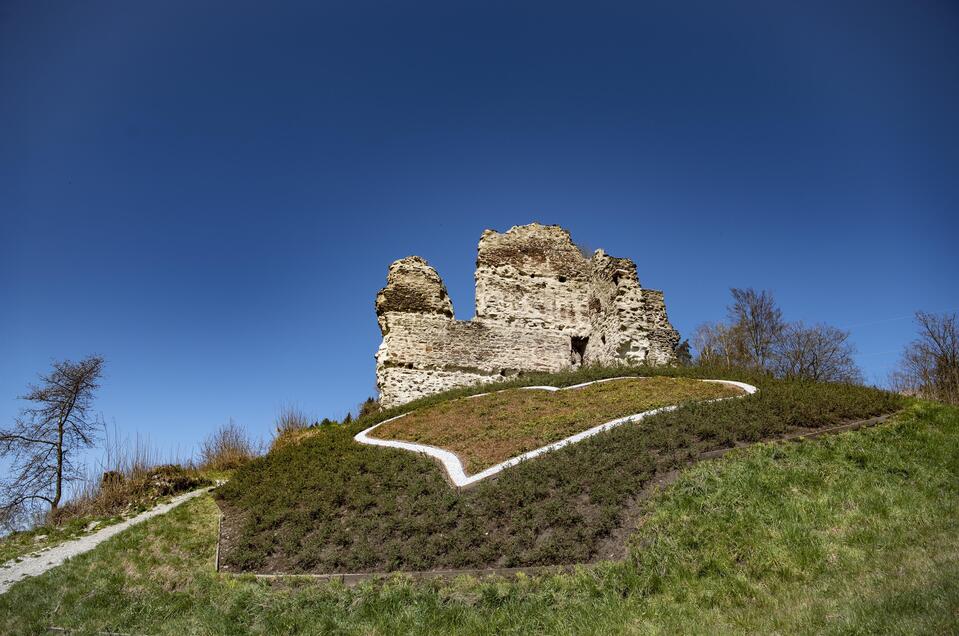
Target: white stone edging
x=454, y=467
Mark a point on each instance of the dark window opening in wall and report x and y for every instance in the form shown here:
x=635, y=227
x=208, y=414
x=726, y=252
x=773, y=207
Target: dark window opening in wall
x=562, y=279
x=577, y=345
x=616, y=278
x=603, y=338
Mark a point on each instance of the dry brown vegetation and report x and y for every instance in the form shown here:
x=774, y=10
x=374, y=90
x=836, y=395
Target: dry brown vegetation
x=228, y=448
x=492, y=428
x=131, y=475
x=292, y=424
x=122, y=492
x=291, y=419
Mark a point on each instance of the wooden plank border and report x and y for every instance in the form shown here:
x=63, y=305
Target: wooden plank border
x=349, y=579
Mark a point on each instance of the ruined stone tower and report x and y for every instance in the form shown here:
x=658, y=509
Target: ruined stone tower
x=541, y=305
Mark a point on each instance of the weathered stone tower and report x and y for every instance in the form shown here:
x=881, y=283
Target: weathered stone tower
x=541, y=305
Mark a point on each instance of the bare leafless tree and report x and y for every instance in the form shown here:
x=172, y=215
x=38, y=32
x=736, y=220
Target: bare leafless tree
x=42, y=445
x=819, y=352
x=756, y=336
x=930, y=364
x=759, y=321
x=718, y=344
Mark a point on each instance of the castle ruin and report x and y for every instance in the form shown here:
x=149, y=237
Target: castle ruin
x=541, y=305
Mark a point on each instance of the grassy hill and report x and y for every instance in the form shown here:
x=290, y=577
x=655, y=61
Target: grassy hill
x=328, y=504
x=849, y=533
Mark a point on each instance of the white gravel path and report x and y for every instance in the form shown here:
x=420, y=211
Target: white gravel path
x=38, y=563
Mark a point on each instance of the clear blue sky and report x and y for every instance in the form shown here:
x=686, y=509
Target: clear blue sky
x=209, y=193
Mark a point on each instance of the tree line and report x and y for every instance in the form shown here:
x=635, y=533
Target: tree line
x=755, y=336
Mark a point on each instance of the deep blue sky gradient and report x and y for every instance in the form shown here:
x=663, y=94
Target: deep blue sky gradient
x=209, y=193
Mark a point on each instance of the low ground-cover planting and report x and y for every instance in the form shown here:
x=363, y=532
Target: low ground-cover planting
x=492, y=428
x=848, y=534
x=329, y=504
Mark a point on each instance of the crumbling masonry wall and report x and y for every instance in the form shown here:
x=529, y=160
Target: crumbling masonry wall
x=541, y=305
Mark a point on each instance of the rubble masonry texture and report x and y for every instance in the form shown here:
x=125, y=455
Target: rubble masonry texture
x=541, y=305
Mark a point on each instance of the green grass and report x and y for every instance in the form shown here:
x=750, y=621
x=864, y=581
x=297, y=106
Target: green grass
x=329, y=504
x=489, y=429
x=849, y=534
x=108, y=506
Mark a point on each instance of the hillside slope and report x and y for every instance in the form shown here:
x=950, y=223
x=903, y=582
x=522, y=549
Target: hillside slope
x=853, y=533
x=329, y=504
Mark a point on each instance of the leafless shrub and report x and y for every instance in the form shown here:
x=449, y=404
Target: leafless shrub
x=929, y=366
x=290, y=419
x=291, y=425
x=228, y=447
x=819, y=352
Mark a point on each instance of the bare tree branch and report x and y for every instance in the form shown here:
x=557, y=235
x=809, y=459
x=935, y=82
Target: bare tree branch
x=41, y=445
x=929, y=366
x=760, y=322
x=757, y=337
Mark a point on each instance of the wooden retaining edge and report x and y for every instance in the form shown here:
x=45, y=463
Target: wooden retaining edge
x=219, y=533
x=350, y=579
x=65, y=630
x=355, y=578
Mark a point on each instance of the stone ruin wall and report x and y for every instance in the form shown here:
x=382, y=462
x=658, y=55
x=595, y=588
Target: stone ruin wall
x=541, y=305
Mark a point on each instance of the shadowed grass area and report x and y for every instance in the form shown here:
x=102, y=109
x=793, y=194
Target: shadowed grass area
x=489, y=429
x=855, y=533
x=330, y=504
